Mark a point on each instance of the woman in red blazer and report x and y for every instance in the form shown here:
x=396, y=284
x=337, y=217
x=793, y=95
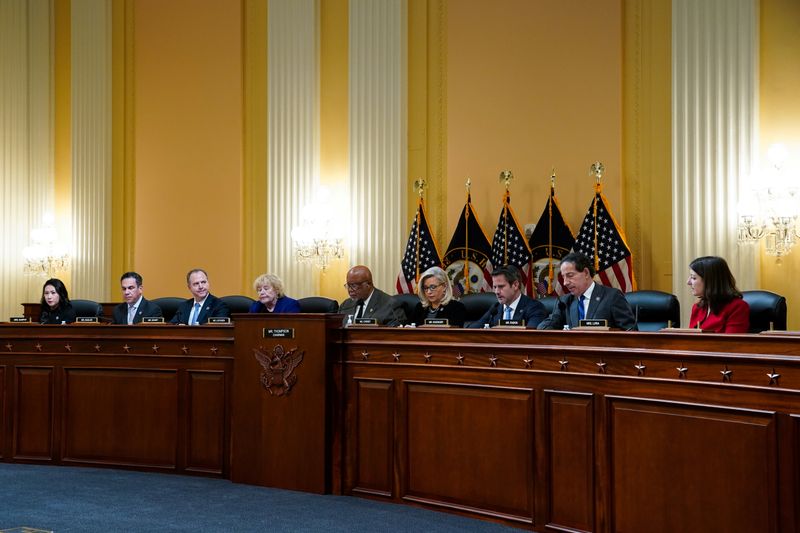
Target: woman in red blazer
x=720, y=307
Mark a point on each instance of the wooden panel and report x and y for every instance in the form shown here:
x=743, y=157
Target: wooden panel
x=571, y=460
x=684, y=467
x=125, y=416
x=33, y=415
x=374, y=449
x=206, y=421
x=470, y=446
x=5, y=431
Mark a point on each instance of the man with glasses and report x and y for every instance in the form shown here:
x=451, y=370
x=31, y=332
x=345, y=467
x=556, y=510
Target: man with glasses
x=368, y=302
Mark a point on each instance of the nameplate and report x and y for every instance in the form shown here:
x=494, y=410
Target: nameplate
x=437, y=322
x=681, y=330
x=86, y=320
x=512, y=323
x=219, y=320
x=18, y=319
x=593, y=323
x=366, y=322
x=152, y=320
x=279, y=333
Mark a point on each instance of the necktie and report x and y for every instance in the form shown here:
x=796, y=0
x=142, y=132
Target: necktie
x=581, y=308
x=508, y=312
x=196, y=314
x=360, y=309
x=131, y=313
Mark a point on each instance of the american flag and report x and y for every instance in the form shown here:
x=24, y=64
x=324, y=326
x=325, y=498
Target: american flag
x=613, y=261
x=421, y=253
x=509, y=245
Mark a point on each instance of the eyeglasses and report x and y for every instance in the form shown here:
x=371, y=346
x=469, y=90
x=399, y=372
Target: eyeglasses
x=431, y=288
x=355, y=285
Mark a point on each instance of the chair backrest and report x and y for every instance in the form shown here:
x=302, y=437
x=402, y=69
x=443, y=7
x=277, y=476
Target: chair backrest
x=237, y=303
x=654, y=310
x=407, y=302
x=87, y=308
x=169, y=306
x=477, y=304
x=318, y=304
x=765, y=307
x=549, y=303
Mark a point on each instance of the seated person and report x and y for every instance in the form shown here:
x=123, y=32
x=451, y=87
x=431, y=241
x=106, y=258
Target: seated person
x=436, y=299
x=720, y=307
x=56, y=307
x=368, y=302
x=271, y=298
x=202, y=305
x=587, y=299
x=511, y=303
x=135, y=306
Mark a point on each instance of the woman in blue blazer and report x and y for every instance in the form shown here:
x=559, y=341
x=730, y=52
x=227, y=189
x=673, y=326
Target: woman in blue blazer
x=271, y=298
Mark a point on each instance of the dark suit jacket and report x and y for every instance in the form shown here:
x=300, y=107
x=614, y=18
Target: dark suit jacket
x=454, y=312
x=283, y=305
x=382, y=307
x=528, y=309
x=213, y=306
x=607, y=303
x=146, y=308
x=57, y=316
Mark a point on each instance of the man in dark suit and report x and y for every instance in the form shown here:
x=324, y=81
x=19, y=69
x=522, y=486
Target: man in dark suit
x=368, y=302
x=202, y=305
x=135, y=307
x=511, y=303
x=597, y=301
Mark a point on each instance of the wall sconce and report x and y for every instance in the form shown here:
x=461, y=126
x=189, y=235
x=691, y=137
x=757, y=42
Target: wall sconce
x=771, y=212
x=319, y=238
x=46, y=255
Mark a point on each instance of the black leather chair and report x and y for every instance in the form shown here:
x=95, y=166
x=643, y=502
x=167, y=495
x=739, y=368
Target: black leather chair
x=238, y=304
x=766, y=308
x=477, y=304
x=654, y=310
x=318, y=304
x=549, y=303
x=169, y=306
x=407, y=302
x=87, y=308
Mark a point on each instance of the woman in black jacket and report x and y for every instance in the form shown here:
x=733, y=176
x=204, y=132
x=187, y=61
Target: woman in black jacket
x=56, y=307
x=436, y=299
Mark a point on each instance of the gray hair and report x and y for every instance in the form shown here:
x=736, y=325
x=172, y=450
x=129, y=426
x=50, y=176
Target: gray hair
x=439, y=275
x=269, y=279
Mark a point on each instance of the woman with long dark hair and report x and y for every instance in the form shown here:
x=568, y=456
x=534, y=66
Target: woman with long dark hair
x=720, y=307
x=56, y=307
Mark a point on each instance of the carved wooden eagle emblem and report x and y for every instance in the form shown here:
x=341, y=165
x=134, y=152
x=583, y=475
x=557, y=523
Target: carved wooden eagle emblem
x=278, y=367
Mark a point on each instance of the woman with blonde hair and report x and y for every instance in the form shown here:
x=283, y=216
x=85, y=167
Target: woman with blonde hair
x=271, y=298
x=436, y=299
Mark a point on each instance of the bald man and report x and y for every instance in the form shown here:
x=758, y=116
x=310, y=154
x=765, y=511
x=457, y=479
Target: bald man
x=368, y=302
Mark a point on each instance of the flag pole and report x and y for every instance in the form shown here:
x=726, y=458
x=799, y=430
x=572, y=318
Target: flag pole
x=596, y=170
x=420, y=185
x=505, y=177
x=550, y=232
x=466, y=240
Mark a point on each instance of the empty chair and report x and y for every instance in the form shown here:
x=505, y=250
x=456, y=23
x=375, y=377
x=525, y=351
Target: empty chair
x=169, y=306
x=766, y=308
x=654, y=310
x=318, y=304
x=238, y=304
x=87, y=308
x=477, y=304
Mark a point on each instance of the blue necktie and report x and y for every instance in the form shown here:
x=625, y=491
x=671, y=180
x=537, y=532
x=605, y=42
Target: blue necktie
x=508, y=312
x=581, y=308
x=195, y=321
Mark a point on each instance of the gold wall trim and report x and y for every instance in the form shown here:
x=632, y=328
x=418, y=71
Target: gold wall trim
x=646, y=143
x=254, y=179
x=123, y=173
x=427, y=111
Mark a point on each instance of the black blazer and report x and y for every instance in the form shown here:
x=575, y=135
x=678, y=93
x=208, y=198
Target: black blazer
x=213, y=306
x=146, y=308
x=58, y=315
x=454, y=312
x=607, y=303
x=528, y=309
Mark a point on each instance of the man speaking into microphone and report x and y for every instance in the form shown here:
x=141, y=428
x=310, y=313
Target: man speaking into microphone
x=511, y=303
x=587, y=300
